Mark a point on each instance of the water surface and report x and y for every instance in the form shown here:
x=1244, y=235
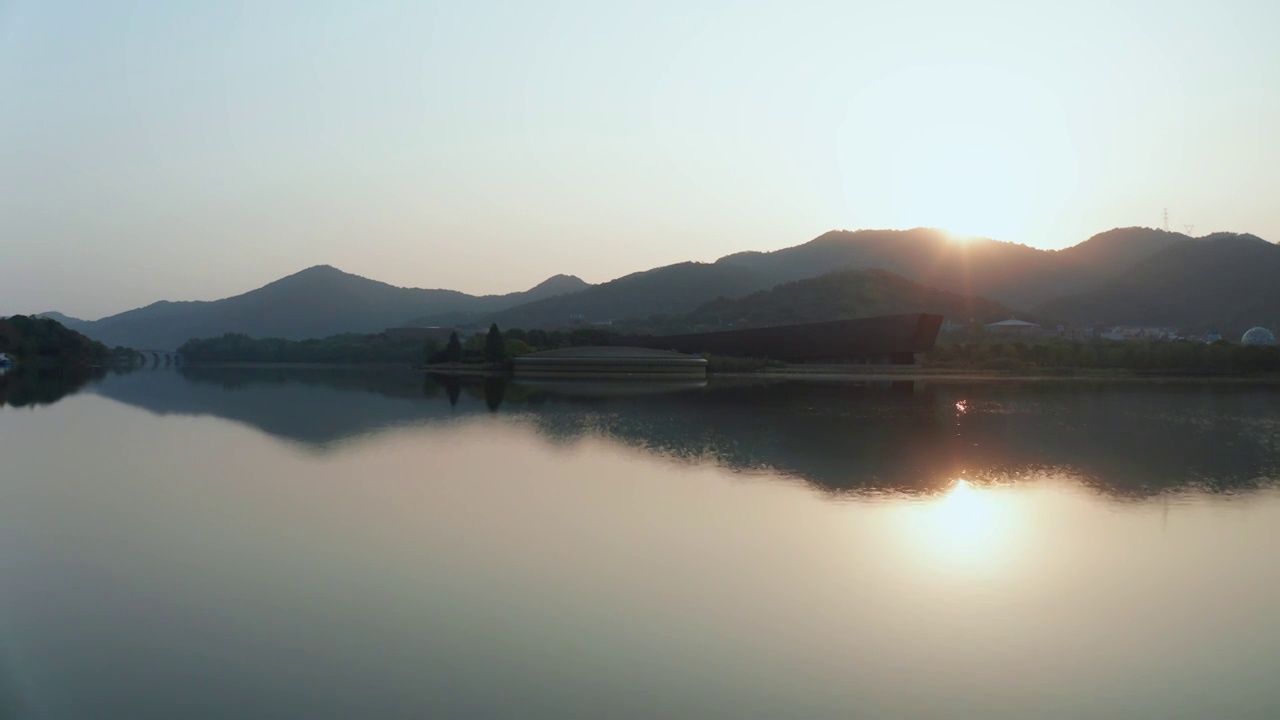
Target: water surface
x=337, y=543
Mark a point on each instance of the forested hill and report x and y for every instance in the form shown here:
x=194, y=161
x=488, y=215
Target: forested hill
x=1225, y=283
x=1016, y=275
x=65, y=320
x=834, y=296
x=43, y=342
x=666, y=290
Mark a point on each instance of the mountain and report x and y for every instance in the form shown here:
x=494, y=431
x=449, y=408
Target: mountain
x=1223, y=282
x=1015, y=275
x=672, y=289
x=1119, y=248
x=932, y=257
x=834, y=296
x=551, y=287
x=65, y=320
x=316, y=302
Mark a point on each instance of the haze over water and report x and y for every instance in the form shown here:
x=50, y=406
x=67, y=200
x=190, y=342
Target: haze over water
x=343, y=543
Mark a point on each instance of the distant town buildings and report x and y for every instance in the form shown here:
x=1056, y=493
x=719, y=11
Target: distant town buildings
x=1135, y=332
x=579, y=320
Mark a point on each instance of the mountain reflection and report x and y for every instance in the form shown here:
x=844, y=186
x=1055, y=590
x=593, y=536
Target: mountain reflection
x=30, y=387
x=1125, y=439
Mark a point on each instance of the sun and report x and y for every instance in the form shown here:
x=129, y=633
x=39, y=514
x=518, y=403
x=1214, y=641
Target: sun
x=958, y=238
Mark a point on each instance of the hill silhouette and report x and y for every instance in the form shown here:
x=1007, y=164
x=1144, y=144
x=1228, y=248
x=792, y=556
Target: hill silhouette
x=317, y=302
x=1118, y=249
x=1016, y=275
x=666, y=290
x=1224, y=282
x=67, y=321
x=1094, y=281
x=834, y=296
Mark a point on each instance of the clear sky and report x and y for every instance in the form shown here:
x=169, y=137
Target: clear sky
x=198, y=149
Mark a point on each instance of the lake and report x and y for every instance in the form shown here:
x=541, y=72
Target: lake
x=347, y=543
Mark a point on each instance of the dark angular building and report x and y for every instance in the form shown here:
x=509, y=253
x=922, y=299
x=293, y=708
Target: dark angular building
x=887, y=340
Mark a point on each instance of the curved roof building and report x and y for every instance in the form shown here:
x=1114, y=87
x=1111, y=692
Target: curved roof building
x=1258, y=336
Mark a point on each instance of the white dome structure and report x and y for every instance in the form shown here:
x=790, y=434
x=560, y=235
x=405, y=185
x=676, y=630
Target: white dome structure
x=1258, y=336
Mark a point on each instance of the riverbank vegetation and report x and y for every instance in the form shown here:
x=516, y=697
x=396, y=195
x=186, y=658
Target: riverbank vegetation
x=1174, y=357
x=339, y=349
x=496, y=347
x=492, y=347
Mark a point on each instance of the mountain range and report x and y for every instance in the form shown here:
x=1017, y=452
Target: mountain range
x=316, y=302
x=1156, y=265
x=1224, y=281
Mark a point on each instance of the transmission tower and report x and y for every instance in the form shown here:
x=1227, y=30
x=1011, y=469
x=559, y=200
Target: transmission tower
x=1166, y=219
x=1189, y=228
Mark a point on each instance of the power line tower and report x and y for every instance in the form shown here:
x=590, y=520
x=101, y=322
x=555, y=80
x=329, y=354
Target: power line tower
x=1166, y=219
x=1189, y=228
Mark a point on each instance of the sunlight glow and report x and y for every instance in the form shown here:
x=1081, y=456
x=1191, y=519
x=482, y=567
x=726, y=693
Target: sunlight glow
x=994, y=159
x=959, y=238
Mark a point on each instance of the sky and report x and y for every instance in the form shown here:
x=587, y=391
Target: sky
x=199, y=149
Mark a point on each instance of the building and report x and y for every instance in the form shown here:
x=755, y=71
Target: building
x=1140, y=332
x=1259, y=336
x=1013, y=326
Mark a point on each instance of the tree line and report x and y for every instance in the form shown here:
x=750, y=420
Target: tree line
x=1159, y=356
x=497, y=346
x=341, y=349
x=493, y=347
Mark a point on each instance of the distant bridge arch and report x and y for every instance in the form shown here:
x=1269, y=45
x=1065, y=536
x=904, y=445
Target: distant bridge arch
x=167, y=357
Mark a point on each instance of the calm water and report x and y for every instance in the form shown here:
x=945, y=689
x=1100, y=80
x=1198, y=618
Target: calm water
x=265, y=543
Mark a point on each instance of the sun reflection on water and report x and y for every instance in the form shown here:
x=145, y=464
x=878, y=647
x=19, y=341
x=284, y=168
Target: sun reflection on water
x=969, y=527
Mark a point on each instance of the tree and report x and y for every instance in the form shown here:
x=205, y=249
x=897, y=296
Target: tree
x=453, y=351
x=495, y=350
x=516, y=348
x=430, y=349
